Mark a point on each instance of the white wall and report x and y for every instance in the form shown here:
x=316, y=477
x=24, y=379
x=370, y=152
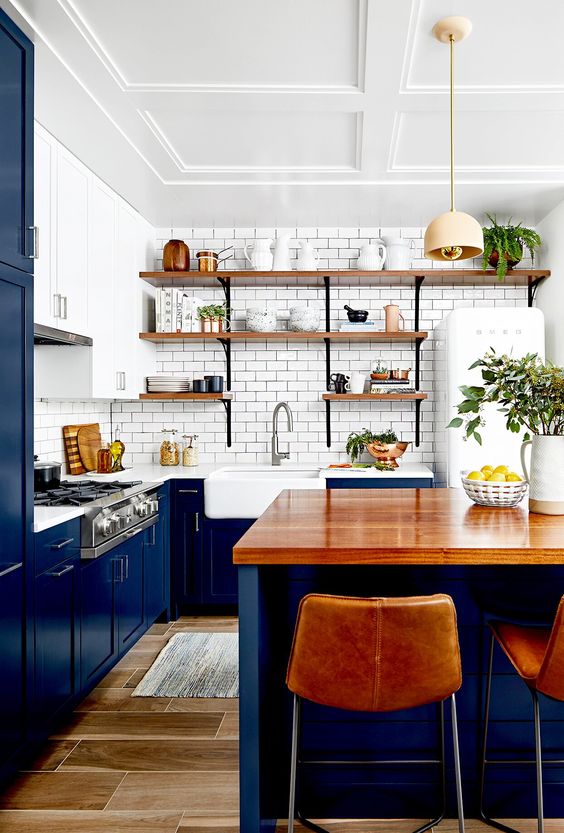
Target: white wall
x=550, y=296
x=267, y=372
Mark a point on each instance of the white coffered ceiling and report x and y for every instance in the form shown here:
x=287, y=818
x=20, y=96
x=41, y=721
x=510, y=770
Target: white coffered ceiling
x=304, y=111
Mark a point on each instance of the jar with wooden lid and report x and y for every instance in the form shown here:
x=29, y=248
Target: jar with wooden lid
x=190, y=450
x=170, y=452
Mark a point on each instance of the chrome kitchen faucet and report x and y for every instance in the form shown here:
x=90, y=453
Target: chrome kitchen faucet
x=278, y=456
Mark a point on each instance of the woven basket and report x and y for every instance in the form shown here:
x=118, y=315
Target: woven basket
x=495, y=494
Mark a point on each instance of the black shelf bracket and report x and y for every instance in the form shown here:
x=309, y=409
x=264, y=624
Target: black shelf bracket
x=419, y=279
x=226, y=344
x=226, y=286
x=227, y=405
x=417, y=422
x=418, y=284
x=532, y=290
x=327, y=286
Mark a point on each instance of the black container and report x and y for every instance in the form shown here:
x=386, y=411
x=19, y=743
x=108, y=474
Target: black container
x=356, y=316
x=200, y=386
x=46, y=475
x=215, y=384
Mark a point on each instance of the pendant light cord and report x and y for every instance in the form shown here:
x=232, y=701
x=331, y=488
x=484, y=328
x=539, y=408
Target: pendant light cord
x=451, y=39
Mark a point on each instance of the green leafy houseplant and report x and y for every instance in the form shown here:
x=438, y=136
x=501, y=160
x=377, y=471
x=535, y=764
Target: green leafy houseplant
x=503, y=245
x=528, y=392
x=357, y=442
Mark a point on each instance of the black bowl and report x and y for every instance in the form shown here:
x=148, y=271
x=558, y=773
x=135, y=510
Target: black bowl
x=357, y=316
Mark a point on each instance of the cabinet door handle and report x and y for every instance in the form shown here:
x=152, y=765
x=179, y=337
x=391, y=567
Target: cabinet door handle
x=124, y=381
x=65, y=306
x=35, y=251
x=119, y=577
x=126, y=567
x=187, y=491
x=62, y=544
x=56, y=305
x=11, y=568
x=59, y=573
x=132, y=532
x=196, y=521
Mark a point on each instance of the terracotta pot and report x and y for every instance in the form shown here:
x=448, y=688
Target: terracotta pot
x=380, y=377
x=494, y=258
x=387, y=452
x=176, y=256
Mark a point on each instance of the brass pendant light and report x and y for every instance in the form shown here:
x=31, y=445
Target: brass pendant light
x=453, y=235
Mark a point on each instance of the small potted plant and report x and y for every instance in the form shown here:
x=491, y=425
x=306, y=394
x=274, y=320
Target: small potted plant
x=503, y=245
x=384, y=447
x=531, y=396
x=212, y=318
x=380, y=372
x=204, y=314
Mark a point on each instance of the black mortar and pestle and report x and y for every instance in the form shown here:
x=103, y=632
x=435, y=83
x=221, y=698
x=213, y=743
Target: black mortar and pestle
x=356, y=316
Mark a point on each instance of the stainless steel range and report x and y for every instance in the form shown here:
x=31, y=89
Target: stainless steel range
x=113, y=512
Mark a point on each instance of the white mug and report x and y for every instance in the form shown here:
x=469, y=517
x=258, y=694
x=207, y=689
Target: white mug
x=357, y=382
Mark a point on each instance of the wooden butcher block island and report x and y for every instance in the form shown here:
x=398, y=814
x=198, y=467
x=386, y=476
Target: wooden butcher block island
x=502, y=563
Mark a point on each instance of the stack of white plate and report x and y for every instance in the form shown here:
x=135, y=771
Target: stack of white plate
x=168, y=384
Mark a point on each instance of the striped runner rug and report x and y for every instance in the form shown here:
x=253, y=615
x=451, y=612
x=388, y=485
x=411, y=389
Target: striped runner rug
x=194, y=665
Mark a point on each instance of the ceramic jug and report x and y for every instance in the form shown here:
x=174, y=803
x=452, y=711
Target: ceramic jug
x=357, y=381
x=282, y=261
x=372, y=256
x=546, y=479
x=398, y=251
x=393, y=316
x=307, y=257
x=261, y=256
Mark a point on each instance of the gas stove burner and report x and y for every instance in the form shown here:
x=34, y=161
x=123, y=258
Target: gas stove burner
x=79, y=492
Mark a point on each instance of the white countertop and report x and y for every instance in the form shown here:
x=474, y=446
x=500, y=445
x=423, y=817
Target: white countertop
x=45, y=517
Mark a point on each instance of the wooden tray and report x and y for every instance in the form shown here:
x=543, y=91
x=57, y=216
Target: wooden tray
x=89, y=443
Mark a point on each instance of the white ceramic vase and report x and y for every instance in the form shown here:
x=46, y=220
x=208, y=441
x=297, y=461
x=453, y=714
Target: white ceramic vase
x=260, y=256
x=307, y=257
x=282, y=262
x=546, y=478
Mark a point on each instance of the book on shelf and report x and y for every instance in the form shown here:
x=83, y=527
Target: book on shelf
x=352, y=326
x=175, y=311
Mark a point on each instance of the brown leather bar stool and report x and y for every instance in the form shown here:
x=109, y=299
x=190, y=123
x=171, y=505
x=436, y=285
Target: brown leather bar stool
x=537, y=654
x=375, y=655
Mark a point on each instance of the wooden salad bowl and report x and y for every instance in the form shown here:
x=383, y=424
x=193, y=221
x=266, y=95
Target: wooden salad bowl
x=387, y=452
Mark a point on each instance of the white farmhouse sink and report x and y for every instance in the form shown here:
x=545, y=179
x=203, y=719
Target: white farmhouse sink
x=245, y=492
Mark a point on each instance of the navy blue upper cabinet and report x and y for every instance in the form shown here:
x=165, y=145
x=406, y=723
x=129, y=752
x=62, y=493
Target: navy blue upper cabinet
x=156, y=551
x=16, y=147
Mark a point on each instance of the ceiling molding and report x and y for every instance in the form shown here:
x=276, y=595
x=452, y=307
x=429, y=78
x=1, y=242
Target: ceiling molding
x=118, y=76
x=409, y=88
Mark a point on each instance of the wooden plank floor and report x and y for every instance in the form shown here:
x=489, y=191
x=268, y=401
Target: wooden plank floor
x=151, y=765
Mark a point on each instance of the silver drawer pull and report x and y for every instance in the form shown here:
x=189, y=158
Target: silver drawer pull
x=133, y=532
x=59, y=573
x=196, y=521
x=62, y=544
x=10, y=569
x=35, y=252
x=187, y=491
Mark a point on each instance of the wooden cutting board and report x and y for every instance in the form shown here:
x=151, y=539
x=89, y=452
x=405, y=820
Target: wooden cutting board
x=70, y=438
x=89, y=442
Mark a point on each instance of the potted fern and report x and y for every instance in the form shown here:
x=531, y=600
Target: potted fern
x=503, y=245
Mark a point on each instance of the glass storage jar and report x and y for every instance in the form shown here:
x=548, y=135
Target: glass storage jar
x=170, y=454
x=191, y=450
x=104, y=459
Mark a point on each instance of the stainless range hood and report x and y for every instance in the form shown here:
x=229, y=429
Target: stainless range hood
x=52, y=336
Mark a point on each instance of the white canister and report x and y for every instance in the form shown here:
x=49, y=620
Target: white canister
x=261, y=319
x=304, y=319
x=398, y=253
x=546, y=480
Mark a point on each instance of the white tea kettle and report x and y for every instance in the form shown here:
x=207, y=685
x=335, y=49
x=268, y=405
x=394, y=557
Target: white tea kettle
x=261, y=255
x=372, y=257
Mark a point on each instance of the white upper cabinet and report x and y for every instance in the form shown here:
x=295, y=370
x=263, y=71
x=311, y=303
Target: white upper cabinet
x=92, y=247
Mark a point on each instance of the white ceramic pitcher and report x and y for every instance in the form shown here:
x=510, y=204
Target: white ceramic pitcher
x=307, y=257
x=282, y=262
x=546, y=479
x=261, y=255
x=398, y=253
x=372, y=257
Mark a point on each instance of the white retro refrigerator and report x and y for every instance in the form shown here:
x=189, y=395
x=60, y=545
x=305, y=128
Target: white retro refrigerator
x=461, y=338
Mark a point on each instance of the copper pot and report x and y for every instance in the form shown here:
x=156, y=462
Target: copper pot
x=176, y=256
x=387, y=452
x=400, y=375
x=493, y=260
x=207, y=261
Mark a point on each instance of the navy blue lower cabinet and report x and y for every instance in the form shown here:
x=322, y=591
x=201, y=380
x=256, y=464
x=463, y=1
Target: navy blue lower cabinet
x=98, y=627
x=57, y=640
x=12, y=689
x=379, y=483
x=130, y=596
x=156, y=552
x=187, y=521
x=219, y=584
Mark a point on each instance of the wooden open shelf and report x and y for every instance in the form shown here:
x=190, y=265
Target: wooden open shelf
x=458, y=277
x=289, y=335
x=221, y=397
x=342, y=397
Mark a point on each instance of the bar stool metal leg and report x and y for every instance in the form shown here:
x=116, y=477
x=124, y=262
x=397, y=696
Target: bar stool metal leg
x=457, y=772
x=538, y=756
x=294, y=762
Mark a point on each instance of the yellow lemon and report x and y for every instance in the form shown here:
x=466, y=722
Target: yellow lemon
x=513, y=477
x=476, y=475
x=496, y=477
x=501, y=470
x=487, y=470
